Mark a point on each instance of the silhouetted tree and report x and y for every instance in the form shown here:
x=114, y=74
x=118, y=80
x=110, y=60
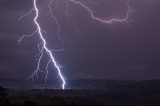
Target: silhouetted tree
x=72, y=104
x=3, y=92
x=29, y=103
x=3, y=97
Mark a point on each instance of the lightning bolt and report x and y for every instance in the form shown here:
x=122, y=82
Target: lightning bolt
x=42, y=46
x=125, y=19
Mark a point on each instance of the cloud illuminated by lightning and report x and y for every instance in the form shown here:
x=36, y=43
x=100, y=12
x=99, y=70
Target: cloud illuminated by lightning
x=42, y=46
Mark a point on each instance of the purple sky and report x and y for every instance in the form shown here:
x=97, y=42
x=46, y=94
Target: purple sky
x=92, y=50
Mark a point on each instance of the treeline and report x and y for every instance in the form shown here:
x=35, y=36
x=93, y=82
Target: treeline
x=110, y=99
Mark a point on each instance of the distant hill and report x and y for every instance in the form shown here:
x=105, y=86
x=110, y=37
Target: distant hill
x=83, y=84
x=81, y=97
x=82, y=93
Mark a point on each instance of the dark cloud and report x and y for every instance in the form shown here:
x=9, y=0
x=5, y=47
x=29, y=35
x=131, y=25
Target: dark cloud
x=19, y=4
x=15, y=4
x=13, y=59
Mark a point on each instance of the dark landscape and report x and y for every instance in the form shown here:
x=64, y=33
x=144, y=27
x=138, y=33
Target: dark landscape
x=97, y=93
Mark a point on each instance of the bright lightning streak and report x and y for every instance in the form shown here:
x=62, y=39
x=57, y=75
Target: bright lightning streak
x=45, y=45
x=42, y=46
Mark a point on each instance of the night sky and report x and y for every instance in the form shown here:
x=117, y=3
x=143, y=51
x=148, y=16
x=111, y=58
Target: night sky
x=119, y=51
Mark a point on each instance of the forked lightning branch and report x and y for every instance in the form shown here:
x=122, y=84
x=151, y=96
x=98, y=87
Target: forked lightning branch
x=42, y=46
